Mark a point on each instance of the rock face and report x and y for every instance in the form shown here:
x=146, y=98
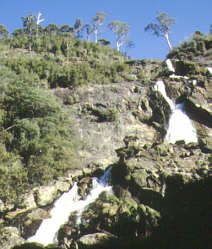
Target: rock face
x=105, y=115
x=161, y=192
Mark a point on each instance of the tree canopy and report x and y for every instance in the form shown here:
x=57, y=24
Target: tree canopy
x=3, y=31
x=97, y=22
x=162, y=27
x=121, y=30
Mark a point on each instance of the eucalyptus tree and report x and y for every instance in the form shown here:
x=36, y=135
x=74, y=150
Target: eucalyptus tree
x=29, y=24
x=77, y=29
x=38, y=21
x=18, y=32
x=51, y=29
x=128, y=45
x=162, y=27
x=97, y=22
x=121, y=31
x=89, y=30
x=65, y=30
x=3, y=31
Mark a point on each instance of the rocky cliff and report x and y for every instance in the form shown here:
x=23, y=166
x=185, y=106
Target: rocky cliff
x=161, y=191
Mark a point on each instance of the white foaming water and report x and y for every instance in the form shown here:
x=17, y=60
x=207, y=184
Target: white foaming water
x=160, y=87
x=210, y=70
x=170, y=66
x=68, y=203
x=180, y=126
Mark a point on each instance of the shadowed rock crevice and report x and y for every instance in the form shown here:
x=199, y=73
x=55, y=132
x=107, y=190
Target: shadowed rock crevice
x=198, y=114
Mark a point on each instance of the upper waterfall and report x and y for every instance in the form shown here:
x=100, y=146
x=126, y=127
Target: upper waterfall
x=180, y=126
x=160, y=87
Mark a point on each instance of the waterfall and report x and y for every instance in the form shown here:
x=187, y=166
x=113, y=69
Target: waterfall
x=169, y=65
x=69, y=203
x=160, y=87
x=180, y=126
x=210, y=70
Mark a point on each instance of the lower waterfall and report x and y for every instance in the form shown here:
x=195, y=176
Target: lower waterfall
x=69, y=202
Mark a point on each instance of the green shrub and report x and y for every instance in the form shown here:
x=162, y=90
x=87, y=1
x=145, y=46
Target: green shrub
x=105, y=115
x=198, y=45
x=13, y=176
x=37, y=141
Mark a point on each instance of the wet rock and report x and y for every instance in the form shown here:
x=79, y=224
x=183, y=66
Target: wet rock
x=27, y=201
x=9, y=237
x=45, y=195
x=84, y=185
x=96, y=240
x=63, y=186
x=32, y=221
x=29, y=246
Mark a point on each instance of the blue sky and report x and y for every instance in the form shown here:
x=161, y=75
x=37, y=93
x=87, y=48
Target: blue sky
x=190, y=15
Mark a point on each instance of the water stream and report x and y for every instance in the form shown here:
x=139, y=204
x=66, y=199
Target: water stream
x=180, y=126
x=68, y=203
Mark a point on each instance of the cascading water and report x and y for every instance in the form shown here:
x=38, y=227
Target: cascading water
x=69, y=202
x=180, y=126
x=170, y=66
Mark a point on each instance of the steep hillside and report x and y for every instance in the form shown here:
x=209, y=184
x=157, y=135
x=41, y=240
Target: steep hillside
x=69, y=110
x=36, y=126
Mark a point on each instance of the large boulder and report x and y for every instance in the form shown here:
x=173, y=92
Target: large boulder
x=96, y=240
x=9, y=237
x=46, y=195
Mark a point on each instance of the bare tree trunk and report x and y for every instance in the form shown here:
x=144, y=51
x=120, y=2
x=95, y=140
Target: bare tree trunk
x=167, y=39
x=96, y=35
x=88, y=37
x=118, y=45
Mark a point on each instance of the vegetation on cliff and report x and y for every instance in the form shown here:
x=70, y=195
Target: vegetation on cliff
x=37, y=141
x=198, y=48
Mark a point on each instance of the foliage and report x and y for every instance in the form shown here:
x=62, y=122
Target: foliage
x=104, y=42
x=121, y=30
x=36, y=139
x=37, y=143
x=97, y=22
x=73, y=62
x=34, y=31
x=88, y=29
x=198, y=45
x=164, y=24
x=162, y=28
x=104, y=115
x=29, y=24
x=3, y=31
